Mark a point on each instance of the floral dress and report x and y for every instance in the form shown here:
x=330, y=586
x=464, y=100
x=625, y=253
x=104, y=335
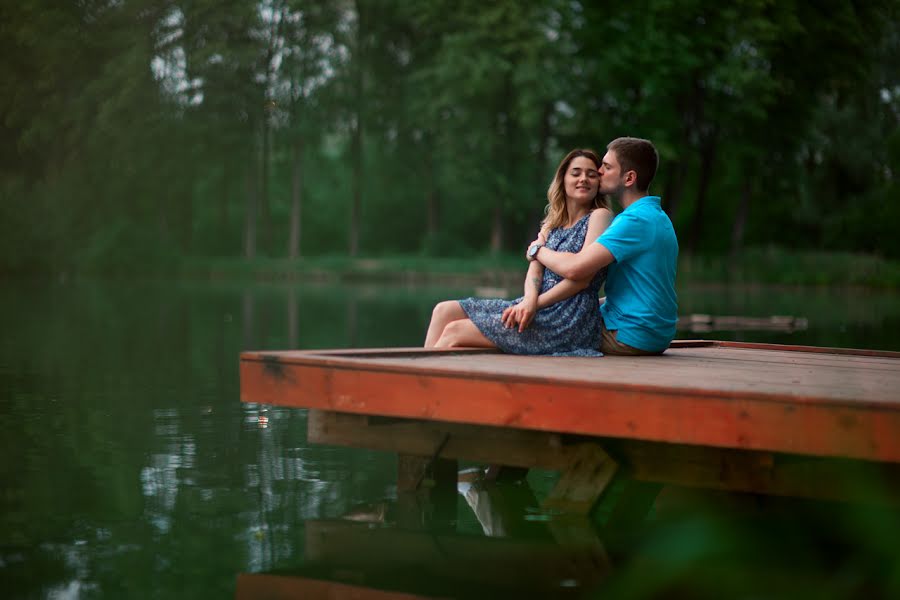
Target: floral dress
x=570, y=327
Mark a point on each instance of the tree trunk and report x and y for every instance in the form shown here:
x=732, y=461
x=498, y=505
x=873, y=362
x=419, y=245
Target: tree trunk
x=264, y=209
x=497, y=228
x=352, y=321
x=740, y=218
x=692, y=108
x=266, y=136
x=357, y=135
x=433, y=199
x=296, y=198
x=223, y=197
x=250, y=214
x=707, y=159
x=356, y=201
x=532, y=228
x=293, y=317
x=162, y=220
x=186, y=221
x=674, y=186
x=248, y=321
x=506, y=145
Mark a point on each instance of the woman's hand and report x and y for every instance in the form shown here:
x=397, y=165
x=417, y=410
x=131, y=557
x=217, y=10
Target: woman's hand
x=521, y=314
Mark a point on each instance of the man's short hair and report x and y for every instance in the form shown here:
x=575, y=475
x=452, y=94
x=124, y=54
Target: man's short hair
x=638, y=155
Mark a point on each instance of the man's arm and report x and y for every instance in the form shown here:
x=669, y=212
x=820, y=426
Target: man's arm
x=599, y=221
x=559, y=292
x=576, y=266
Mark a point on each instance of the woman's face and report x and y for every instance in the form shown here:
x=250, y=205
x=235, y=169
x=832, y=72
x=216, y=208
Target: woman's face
x=581, y=180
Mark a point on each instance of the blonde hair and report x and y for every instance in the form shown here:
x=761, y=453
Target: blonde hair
x=556, y=213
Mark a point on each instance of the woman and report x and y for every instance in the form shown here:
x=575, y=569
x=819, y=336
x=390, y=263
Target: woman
x=555, y=316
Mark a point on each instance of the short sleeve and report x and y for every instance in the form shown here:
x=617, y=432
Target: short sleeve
x=627, y=236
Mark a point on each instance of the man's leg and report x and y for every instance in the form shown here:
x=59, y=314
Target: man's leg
x=443, y=313
x=610, y=345
x=463, y=333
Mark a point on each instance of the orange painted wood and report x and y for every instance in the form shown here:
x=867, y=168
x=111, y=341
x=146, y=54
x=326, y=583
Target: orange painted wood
x=748, y=396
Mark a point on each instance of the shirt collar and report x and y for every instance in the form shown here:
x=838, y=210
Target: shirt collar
x=646, y=200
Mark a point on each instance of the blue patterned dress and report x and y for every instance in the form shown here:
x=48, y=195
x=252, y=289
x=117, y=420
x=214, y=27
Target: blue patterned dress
x=570, y=327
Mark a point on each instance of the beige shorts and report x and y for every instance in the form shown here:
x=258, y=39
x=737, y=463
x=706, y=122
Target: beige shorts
x=610, y=345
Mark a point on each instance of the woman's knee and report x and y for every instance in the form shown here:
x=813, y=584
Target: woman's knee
x=444, y=307
x=448, y=310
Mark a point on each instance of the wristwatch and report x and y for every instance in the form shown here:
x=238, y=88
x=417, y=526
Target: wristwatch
x=533, y=249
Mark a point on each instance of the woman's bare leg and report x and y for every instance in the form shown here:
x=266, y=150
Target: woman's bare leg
x=462, y=333
x=443, y=313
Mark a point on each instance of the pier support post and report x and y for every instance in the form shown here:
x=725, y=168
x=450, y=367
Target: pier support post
x=426, y=490
x=584, y=479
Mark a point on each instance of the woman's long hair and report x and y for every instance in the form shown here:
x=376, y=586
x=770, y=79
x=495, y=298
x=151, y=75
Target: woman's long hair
x=556, y=213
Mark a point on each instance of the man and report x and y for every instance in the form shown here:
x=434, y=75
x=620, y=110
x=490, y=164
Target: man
x=640, y=309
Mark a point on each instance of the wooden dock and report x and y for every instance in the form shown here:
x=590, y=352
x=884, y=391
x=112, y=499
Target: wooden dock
x=786, y=420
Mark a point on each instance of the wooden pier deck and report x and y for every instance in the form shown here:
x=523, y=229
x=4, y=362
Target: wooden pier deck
x=727, y=415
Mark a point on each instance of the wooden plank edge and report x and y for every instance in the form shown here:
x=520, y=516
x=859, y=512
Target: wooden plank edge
x=403, y=352
x=732, y=421
x=276, y=367
x=810, y=349
x=407, y=352
x=394, y=352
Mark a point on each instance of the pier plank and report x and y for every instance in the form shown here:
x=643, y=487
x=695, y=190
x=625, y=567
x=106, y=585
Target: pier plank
x=797, y=400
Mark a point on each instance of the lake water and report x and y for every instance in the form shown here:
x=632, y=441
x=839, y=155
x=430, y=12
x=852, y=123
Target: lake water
x=130, y=469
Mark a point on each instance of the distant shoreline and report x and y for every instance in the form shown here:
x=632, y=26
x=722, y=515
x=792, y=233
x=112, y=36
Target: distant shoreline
x=754, y=267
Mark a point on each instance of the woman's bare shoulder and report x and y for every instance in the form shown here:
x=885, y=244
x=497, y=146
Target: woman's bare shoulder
x=601, y=214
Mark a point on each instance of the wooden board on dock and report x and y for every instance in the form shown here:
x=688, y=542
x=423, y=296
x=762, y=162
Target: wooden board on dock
x=791, y=399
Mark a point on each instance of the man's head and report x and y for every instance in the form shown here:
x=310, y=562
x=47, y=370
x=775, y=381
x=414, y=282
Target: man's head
x=629, y=163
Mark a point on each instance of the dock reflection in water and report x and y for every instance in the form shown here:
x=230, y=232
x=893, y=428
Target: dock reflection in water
x=699, y=544
x=415, y=552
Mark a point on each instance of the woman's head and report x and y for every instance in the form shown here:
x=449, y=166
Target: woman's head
x=576, y=174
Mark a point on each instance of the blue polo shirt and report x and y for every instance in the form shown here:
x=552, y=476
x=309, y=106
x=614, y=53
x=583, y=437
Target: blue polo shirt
x=640, y=285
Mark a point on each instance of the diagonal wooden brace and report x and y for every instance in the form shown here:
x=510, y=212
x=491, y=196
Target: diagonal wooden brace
x=583, y=480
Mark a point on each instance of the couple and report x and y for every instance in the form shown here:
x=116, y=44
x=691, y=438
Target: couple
x=581, y=245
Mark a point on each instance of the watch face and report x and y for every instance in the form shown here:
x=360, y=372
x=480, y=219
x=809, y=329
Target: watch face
x=533, y=250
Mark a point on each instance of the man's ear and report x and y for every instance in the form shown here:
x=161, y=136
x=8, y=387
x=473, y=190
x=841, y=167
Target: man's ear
x=630, y=178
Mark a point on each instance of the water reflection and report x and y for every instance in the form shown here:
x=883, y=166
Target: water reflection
x=367, y=316
x=428, y=564
x=696, y=545
x=131, y=468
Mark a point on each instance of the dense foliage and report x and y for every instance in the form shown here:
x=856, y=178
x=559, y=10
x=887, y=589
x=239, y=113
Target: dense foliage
x=139, y=132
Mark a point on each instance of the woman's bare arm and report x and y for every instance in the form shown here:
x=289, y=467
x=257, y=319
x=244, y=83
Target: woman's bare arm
x=533, y=279
x=520, y=315
x=599, y=221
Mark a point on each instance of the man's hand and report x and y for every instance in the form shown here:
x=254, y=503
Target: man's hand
x=521, y=314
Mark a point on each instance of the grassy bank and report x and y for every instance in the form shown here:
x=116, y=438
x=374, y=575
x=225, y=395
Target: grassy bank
x=755, y=266
x=790, y=267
